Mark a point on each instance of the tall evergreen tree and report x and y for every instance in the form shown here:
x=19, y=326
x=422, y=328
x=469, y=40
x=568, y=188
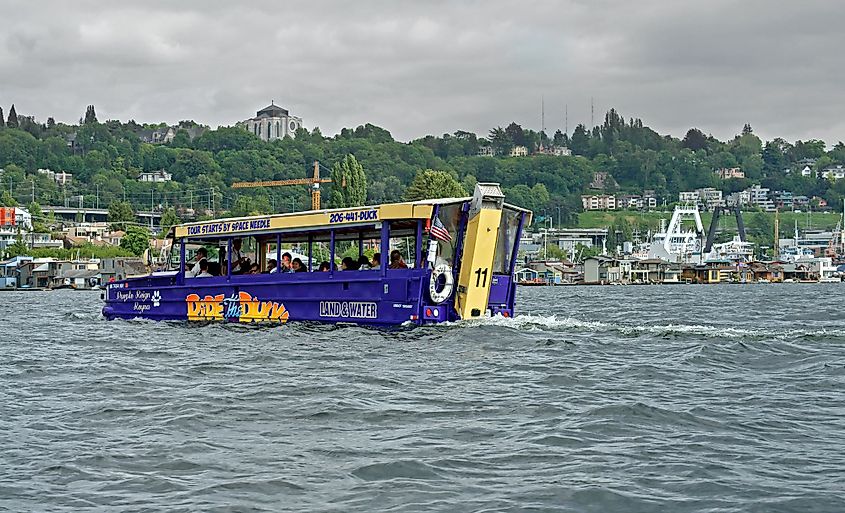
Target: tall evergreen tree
x=349, y=183
x=51, y=123
x=580, y=140
x=2, y=121
x=90, y=115
x=13, y=118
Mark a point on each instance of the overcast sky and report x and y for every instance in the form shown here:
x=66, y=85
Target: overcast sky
x=418, y=68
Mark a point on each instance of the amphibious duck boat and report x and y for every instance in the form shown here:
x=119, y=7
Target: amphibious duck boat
x=452, y=259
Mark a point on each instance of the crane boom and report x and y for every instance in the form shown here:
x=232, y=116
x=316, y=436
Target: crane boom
x=274, y=183
x=314, y=182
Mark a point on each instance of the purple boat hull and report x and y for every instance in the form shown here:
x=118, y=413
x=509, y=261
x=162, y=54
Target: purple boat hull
x=363, y=297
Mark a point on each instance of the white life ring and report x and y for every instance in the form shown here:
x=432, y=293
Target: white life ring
x=445, y=285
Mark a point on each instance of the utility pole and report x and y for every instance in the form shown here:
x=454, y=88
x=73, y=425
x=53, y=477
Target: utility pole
x=592, y=113
x=191, y=199
x=98, y=196
x=33, y=189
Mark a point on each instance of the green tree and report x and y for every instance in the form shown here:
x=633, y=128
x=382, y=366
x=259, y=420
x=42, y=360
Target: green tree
x=580, y=140
x=90, y=116
x=430, y=184
x=251, y=206
x=500, y=141
x=2, y=121
x=17, y=248
x=694, y=140
x=349, y=183
x=38, y=224
x=120, y=215
x=13, y=118
x=136, y=240
x=169, y=219
x=181, y=140
x=7, y=200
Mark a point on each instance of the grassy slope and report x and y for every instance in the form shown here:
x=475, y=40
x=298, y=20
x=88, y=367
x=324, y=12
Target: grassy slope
x=597, y=219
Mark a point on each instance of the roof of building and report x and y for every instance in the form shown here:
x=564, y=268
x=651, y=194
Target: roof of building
x=80, y=273
x=272, y=110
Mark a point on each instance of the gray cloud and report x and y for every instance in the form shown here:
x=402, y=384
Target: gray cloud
x=420, y=68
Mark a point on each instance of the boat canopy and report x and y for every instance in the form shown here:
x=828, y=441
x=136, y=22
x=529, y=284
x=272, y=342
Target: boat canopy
x=317, y=219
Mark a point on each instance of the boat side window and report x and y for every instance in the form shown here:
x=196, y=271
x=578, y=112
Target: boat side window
x=403, y=245
x=508, y=228
x=444, y=233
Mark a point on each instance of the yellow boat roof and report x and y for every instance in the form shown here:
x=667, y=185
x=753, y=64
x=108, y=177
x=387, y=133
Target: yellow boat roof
x=317, y=218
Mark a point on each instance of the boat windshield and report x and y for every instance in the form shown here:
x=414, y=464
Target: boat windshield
x=508, y=232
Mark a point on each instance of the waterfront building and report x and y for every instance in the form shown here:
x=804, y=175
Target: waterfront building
x=486, y=151
x=271, y=123
x=9, y=271
x=602, y=270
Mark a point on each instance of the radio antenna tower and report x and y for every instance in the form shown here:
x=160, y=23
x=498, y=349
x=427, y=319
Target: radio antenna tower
x=543, y=114
x=592, y=113
x=566, y=119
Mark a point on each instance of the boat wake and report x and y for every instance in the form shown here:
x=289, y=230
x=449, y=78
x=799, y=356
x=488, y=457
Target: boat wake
x=530, y=322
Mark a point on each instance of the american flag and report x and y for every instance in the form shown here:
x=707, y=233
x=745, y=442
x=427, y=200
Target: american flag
x=439, y=232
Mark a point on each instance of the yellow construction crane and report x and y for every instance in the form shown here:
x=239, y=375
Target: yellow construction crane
x=313, y=182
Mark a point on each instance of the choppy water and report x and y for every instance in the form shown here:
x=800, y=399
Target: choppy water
x=687, y=398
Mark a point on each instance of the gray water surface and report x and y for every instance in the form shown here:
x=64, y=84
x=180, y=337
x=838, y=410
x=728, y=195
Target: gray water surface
x=686, y=398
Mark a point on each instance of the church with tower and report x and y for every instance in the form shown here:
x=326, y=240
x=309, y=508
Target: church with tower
x=271, y=123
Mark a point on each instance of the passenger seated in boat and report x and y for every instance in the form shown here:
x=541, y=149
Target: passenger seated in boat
x=201, y=256
x=347, y=264
x=271, y=266
x=324, y=267
x=376, y=263
x=253, y=269
x=298, y=266
x=363, y=263
x=396, y=260
x=286, y=262
x=203, y=264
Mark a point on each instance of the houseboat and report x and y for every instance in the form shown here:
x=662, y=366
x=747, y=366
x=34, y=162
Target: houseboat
x=440, y=260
